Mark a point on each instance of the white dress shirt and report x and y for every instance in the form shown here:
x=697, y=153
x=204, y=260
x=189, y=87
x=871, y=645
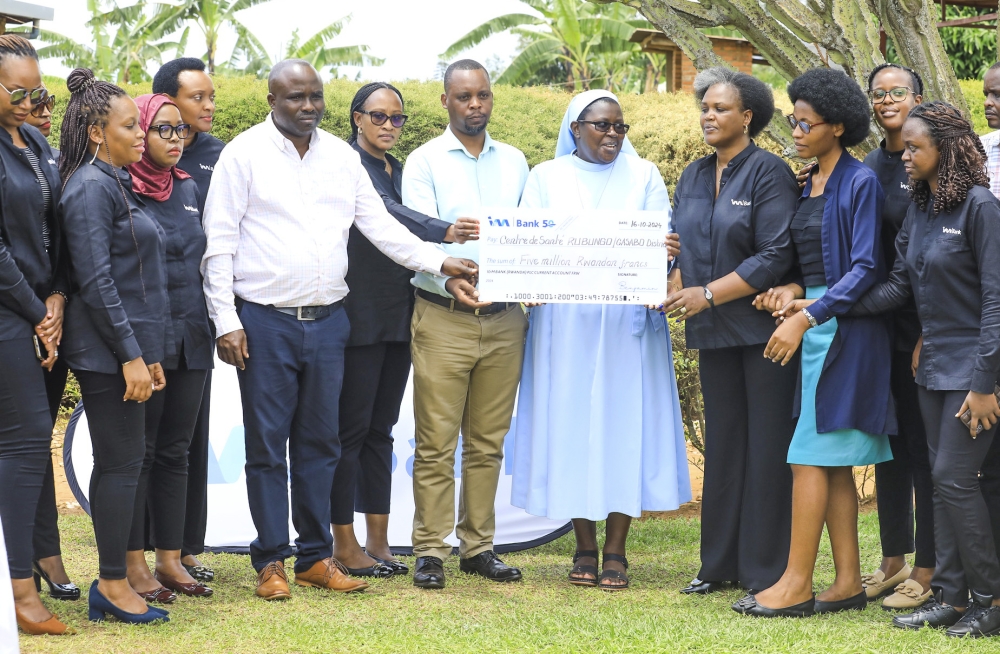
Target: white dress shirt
x=991, y=143
x=278, y=224
x=442, y=179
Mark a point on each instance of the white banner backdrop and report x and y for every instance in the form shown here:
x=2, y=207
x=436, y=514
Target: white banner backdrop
x=230, y=526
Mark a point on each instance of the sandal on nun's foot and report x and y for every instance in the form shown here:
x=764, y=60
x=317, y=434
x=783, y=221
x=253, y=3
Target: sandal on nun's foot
x=610, y=578
x=576, y=575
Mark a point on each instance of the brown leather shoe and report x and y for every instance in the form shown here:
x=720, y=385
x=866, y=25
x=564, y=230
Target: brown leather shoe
x=329, y=573
x=272, y=582
x=197, y=589
x=161, y=595
x=50, y=627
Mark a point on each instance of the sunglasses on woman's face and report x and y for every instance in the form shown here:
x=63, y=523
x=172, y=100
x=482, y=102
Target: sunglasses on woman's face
x=166, y=131
x=17, y=96
x=47, y=103
x=605, y=126
x=801, y=124
x=378, y=118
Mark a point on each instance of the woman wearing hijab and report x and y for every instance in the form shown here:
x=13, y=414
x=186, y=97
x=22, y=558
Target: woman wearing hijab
x=171, y=199
x=598, y=433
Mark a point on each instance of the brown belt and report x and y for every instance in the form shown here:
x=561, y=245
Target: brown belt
x=454, y=305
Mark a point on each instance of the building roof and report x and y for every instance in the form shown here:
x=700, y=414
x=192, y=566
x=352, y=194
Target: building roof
x=24, y=12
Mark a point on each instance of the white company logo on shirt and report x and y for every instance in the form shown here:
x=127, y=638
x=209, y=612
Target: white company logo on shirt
x=204, y=167
x=741, y=203
x=951, y=230
x=905, y=187
x=53, y=162
x=190, y=208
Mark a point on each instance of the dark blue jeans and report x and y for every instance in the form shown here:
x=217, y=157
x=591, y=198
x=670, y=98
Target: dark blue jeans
x=291, y=390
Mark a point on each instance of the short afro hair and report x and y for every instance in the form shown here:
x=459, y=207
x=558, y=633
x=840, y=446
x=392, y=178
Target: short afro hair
x=837, y=99
x=915, y=79
x=462, y=64
x=753, y=94
x=166, y=79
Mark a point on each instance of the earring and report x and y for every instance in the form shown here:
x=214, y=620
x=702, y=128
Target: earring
x=95, y=153
x=746, y=129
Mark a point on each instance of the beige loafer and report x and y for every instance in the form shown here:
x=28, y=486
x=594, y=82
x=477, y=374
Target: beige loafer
x=909, y=595
x=876, y=585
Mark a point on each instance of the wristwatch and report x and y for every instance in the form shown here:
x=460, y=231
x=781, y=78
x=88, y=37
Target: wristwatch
x=709, y=297
x=809, y=317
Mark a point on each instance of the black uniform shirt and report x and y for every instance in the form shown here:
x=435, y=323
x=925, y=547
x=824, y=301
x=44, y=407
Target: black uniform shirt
x=744, y=230
x=29, y=271
x=807, y=234
x=950, y=264
x=380, y=303
x=185, y=241
x=121, y=311
x=891, y=173
x=198, y=161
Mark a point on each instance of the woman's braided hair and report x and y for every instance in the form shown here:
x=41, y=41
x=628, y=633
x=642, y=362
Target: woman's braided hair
x=361, y=97
x=14, y=45
x=90, y=104
x=962, y=162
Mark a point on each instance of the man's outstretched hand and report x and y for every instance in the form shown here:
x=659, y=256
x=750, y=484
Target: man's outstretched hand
x=453, y=267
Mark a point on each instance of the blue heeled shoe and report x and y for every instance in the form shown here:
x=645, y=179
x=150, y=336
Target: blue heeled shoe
x=100, y=606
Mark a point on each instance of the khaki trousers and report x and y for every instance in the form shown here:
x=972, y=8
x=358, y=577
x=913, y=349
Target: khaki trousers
x=465, y=374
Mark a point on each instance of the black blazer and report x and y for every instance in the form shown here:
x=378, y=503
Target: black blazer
x=185, y=241
x=28, y=274
x=380, y=303
x=121, y=311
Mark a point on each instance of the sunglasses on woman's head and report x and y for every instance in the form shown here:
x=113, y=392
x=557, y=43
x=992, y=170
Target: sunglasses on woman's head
x=379, y=118
x=47, y=103
x=605, y=126
x=17, y=96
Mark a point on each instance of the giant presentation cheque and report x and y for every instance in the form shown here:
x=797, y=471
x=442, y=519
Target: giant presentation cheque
x=553, y=255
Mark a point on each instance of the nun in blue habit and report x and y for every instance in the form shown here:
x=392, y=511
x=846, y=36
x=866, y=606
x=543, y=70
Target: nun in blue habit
x=598, y=432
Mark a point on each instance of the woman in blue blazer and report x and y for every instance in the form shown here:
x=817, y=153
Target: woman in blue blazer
x=845, y=407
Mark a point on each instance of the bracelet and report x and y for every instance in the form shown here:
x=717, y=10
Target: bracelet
x=64, y=296
x=127, y=362
x=809, y=317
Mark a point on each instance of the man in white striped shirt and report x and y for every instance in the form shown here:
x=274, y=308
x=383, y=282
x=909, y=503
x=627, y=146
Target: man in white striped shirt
x=283, y=197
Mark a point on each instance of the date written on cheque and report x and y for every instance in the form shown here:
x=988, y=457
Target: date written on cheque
x=567, y=297
x=641, y=224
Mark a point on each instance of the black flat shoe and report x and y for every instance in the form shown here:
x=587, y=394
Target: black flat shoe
x=980, y=619
x=744, y=603
x=611, y=575
x=428, y=572
x=488, y=564
x=932, y=614
x=700, y=587
x=66, y=592
x=378, y=570
x=398, y=567
x=856, y=603
x=580, y=569
x=200, y=572
x=801, y=610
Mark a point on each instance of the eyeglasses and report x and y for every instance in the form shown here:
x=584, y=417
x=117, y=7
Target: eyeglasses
x=47, y=103
x=898, y=94
x=17, y=96
x=605, y=126
x=379, y=118
x=801, y=124
x=166, y=131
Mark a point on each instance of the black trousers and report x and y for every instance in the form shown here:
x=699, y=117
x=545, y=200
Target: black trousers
x=963, y=538
x=746, y=510
x=905, y=482
x=46, y=537
x=291, y=391
x=171, y=415
x=374, y=382
x=117, y=431
x=25, y=437
x=196, y=513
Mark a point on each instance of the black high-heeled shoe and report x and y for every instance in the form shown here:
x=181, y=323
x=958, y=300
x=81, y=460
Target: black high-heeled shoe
x=66, y=592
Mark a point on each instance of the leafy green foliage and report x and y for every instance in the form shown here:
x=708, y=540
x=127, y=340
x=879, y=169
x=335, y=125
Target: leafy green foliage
x=970, y=50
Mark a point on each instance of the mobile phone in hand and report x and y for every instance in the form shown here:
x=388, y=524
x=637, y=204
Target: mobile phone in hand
x=39, y=350
x=966, y=417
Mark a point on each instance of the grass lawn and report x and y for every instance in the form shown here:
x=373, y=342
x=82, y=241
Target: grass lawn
x=543, y=613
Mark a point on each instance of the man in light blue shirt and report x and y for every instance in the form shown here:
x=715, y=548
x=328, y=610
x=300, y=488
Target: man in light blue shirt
x=466, y=354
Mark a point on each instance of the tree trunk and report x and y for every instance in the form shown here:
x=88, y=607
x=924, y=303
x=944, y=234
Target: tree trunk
x=795, y=36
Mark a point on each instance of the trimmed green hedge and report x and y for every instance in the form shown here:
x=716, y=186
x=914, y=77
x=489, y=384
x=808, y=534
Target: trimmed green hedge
x=664, y=125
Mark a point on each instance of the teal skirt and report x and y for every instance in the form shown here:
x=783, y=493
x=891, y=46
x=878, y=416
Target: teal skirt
x=843, y=447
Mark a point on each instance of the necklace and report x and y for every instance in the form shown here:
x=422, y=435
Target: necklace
x=579, y=189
